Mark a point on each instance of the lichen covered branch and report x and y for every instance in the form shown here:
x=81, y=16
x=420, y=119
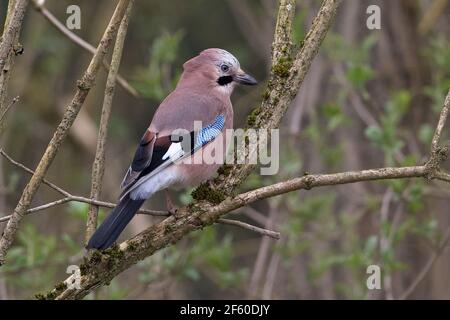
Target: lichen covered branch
x=98, y=167
x=68, y=197
x=80, y=42
x=8, y=48
x=83, y=88
x=285, y=79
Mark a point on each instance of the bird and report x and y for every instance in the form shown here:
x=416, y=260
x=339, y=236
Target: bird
x=202, y=94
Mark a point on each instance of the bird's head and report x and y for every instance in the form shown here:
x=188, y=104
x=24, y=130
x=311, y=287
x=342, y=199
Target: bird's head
x=219, y=68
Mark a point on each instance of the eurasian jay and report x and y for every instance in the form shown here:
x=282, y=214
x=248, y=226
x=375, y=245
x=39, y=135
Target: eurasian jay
x=202, y=94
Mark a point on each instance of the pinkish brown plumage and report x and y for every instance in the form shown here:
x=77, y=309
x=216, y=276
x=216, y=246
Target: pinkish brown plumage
x=202, y=94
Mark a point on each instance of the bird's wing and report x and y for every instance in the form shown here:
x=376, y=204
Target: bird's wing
x=142, y=158
x=155, y=152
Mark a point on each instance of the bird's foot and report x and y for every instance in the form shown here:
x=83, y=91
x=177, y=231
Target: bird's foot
x=174, y=212
x=171, y=208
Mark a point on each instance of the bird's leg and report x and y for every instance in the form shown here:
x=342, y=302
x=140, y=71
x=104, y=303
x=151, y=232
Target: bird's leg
x=171, y=208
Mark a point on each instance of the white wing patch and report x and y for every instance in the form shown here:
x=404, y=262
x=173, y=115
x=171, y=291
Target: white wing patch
x=174, y=152
x=152, y=182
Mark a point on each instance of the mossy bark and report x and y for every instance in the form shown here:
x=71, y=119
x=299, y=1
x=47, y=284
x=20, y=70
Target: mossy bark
x=9, y=47
x=287, y=73
x=71, y=112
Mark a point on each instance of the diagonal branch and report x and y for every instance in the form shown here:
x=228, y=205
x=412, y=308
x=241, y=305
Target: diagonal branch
x=106, y=265
x=68, y=197
x=80, y=42
x=265, y=232
x=72, y=198
x=287, y=74
x=5, y=111
x=28, y=170
x=12, y=30
x=430, y=263
x=98, y=167
x=439, y=153
x=83, y=88
x=440, y=126
x=8, y=41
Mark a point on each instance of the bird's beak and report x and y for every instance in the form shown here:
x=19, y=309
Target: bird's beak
x=244, y=78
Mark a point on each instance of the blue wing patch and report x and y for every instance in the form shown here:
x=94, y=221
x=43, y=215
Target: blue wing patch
x=210, y=132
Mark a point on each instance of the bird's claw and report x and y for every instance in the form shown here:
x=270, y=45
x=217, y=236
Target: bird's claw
x=175, y=213
x=171, y=208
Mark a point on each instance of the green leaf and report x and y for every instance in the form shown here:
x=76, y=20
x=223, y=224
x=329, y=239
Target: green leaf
x=374, y=134
x=358, y=75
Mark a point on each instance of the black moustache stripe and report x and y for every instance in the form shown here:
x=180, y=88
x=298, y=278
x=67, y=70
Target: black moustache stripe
x=224, y=80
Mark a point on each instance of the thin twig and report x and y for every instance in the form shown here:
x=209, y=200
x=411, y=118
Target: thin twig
x=261, y=257
x=384, y=243
x=262, y=231
x=441, y=123
x=2, y=116
x=98, y=167
x=284, y=81
x=41, y=207
x=68, y=197
x=431, y=16
x=99, y=203
x=81, y=43
x=271, y=275
x=441, y=175
x=189, y=218
x=84, y=86
x=12, y=30
x=26, y=169
x=427, y=266
x=202, y=213
x=10, y=39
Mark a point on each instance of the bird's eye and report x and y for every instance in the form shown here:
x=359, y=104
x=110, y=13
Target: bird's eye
x=224, y=68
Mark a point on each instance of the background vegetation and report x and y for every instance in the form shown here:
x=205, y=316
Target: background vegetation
x=371, y=99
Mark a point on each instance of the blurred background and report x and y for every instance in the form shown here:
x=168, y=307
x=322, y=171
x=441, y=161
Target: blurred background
x=371, y=99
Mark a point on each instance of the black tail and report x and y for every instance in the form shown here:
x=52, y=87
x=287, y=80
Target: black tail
x=113, y=225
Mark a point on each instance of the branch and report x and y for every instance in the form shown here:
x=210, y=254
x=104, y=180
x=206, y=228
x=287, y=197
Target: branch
x=68, y=197
x=9, y=11
x=81, y=43
x=427, y=267
x=5, y=111
x=286, y=76
x=98, y=167
x=443, y=176
x=10, y=37
x=438, y=153
x=12, y=31
x=104, y=266
x=84, y=86
x=305, y=182
x=107, y=264
x=262, y=231
x=441, y=123
x=288, y=71
x=26, y=169
x=431, y=16
x=261, y=257
x=98, y=203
